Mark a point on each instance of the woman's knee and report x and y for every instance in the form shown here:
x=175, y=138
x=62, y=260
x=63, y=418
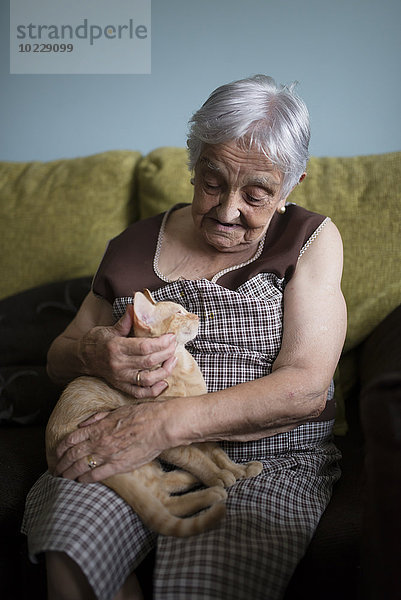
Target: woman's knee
x=65, y=578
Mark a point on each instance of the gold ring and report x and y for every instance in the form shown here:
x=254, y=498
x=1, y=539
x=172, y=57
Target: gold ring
x=91, y=462
x=138, y=378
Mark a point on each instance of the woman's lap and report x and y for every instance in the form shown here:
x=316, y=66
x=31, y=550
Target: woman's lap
x=269, y=524
x=270, y=520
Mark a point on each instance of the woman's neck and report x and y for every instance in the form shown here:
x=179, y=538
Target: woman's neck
x=185, y=253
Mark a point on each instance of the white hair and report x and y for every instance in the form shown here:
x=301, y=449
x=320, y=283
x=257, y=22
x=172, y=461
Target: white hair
x=257, y=113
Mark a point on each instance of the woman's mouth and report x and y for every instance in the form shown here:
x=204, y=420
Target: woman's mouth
x=222, y=225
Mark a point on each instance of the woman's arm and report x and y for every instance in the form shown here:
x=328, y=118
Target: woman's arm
x=296, y=390
x=93, y=345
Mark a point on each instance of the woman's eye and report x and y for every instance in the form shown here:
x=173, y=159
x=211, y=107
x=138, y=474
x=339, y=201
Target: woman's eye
x=211, y=186
x=251, y=198
x=258, y=195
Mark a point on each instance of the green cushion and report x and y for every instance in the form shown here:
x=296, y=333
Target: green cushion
x=163, y=179
x=56, y=217
x=361, y=196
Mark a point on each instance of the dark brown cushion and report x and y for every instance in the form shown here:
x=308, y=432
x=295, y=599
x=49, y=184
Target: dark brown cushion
x=381, y=422
x=29, y=322
x=381, y=351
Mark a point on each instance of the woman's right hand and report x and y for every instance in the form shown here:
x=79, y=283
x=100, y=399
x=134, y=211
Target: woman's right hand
x=136, y=366
x=93, y=344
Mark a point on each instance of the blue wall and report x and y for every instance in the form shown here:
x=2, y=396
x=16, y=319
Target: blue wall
x=345, y=54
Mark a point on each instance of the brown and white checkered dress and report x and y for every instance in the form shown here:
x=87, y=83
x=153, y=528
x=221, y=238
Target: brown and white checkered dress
x=270, y=518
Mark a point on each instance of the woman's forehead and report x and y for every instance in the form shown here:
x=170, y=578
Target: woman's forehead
x=250, y=165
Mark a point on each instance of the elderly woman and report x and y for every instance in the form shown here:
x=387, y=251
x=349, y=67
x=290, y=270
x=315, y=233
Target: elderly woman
x=269, y=273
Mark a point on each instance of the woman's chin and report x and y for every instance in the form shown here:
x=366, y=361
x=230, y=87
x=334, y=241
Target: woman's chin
x=225, y=241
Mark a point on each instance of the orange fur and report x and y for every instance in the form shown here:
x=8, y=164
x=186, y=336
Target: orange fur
x=149, y=489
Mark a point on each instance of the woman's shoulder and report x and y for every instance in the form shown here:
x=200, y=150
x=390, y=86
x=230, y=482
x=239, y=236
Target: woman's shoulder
x=297, y=218
x=128, y=256
x=323, y=252
x=127, y=264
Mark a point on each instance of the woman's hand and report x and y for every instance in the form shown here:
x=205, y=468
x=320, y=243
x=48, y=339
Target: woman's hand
x=127, y=363
x=118, y=441
x=93, y=344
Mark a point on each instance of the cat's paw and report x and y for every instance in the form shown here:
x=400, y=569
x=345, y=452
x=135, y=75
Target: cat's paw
x=223, y=478
x=217, y=494
x=253, y=468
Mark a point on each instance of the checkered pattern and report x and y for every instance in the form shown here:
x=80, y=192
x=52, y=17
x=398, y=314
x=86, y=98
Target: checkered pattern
x=270, y=518
x=270, y=521
x=239, y=331
x=92, y=524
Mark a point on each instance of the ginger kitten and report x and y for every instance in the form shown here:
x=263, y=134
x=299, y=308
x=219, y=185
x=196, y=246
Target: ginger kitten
x=149, y=489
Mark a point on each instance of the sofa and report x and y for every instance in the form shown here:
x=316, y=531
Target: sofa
x=55, y=221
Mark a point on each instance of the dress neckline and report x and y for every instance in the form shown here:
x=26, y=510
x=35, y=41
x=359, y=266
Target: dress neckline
x=215, y=277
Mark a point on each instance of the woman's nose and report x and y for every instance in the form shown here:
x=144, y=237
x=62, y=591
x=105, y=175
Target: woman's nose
x=228, y=210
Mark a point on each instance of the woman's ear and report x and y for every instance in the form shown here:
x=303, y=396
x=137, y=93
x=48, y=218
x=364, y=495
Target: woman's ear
x=302, y=177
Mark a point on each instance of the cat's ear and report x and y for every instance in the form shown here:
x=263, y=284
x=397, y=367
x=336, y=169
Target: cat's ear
x=143, y=313
x=149, y=296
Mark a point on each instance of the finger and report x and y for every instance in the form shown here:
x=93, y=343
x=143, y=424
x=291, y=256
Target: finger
x=140, y=393
x=124, y=325
x=150, y=392
x=93, y=419
x=71, y=440
x=108, y=469
x=160, y=348
x=98, y=473
x=77, y=469
x=72, y=456
x=148, y=378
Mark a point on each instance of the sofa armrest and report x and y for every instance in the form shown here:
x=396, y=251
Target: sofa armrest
x=381, y=352
x=380, y=410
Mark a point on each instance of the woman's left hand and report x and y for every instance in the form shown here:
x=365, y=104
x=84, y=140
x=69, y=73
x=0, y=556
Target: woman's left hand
x=118, y=441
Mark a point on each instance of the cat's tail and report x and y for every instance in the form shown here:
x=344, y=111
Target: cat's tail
x=163, y=519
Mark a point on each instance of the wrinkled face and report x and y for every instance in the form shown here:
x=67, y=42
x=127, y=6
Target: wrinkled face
x=236, y=194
